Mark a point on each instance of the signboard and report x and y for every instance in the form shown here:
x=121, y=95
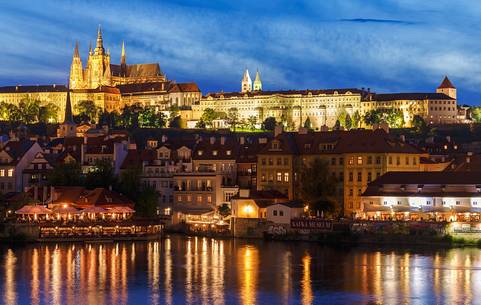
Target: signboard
x=311, y=224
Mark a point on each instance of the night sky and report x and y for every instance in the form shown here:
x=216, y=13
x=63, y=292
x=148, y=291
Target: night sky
x=388, y=45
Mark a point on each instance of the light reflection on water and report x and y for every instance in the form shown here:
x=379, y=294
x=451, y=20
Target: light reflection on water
x=180, y=270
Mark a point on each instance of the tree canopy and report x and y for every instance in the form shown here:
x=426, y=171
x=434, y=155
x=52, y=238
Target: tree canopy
x=66, y=174
x=269, y=123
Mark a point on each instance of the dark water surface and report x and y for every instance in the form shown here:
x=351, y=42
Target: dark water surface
x=196, y=270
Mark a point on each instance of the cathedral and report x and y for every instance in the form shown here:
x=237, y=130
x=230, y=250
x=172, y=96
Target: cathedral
x=100, y=72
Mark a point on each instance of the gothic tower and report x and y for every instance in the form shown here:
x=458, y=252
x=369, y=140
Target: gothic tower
x=76, y=70
x=68, y=128
x=257, y=82
x=99, y=64
x=123, y=61
x=447, y=88
x=246, y=82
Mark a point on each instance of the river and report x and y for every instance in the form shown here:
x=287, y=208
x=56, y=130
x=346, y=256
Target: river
x=196, y=270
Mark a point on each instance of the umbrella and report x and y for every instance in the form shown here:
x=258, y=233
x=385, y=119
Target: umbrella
x=94, y=210
x=65, y=210
x=33, y=209
x=121, y=210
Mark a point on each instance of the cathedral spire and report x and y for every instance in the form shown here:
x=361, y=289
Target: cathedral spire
x=257, y=82
x=90, y=48
x=99, y=50
x=75, y=52
x=246, y=82
x=123, y=60
x=68, y=109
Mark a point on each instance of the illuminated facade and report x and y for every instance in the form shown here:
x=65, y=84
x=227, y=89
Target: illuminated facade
x=440, y=196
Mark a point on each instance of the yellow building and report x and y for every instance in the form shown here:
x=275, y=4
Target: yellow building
x=355, y=158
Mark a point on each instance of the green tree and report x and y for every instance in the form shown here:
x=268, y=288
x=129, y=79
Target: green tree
x=148, y=117
x=476, y=114
x=174, y=111
x=252, y=122
x=146, y=203
x=420, y=125
x=269, y=123
x=318, y=187
x=101, y=175
x=348, y=122
x=29, y=110
x=342, y=117
x=208, y=116
x=175, y=122
x=224, y=210
x=129, y=183
x=356, y=119
x=200, y=124
x=87, y=110
x=233, y=118
x=66, y=174
x=337, y=125
x=5, y=109
x=48, y=113
x=307, y=123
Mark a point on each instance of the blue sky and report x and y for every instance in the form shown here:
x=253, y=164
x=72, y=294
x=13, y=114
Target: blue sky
x=389, y=46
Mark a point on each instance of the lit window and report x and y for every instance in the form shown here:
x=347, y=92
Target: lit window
x=228, y=152
x=279, y=177
x=351, y=160
x=199, y=198
x=189, y=198
x=214, y=152
x=286, y=177
x=2, y=172
x=209, y=199
x=10, y=172
x=179, y=198
x=200, y=152
x=359, y=160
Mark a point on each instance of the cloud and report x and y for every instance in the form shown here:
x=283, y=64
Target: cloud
x=368, y=20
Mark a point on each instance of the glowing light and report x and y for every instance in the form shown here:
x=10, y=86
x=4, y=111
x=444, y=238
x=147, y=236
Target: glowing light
x=248, y=209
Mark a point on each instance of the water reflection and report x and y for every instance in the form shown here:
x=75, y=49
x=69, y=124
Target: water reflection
x=180, y=270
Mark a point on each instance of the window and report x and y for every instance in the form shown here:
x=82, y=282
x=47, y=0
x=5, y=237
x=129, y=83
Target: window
x=475, y=203
x=199, y=198
x=200, y=152
x=341, y=176
x=209, y=199
x=398, y=160
x=214, y=152
x=428, y=202
x=281, y=213
x=444, y=202
x=189, y=198
x=359, y=177
x=228, y=152
x=341, y=161
x=378, y=160
x=263, y=177
x=385, y=202
x=271, y=162
x=279, y=161
x=263, y=161
x=351, y=192
x=414, y=160
x=458, y=202
x=350, y=177
x=378, y=174
x=369, y=160
x=2, y=172
x=279, y=177
x=286, y=177
x=369, y=177
x=333, y=161
x=179, y=198
x=274, y=212
x=351, y=160
x=286, y=161
x=390, y=160
x=359, y=160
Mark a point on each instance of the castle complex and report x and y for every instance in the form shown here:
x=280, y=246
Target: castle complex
x=113, y=86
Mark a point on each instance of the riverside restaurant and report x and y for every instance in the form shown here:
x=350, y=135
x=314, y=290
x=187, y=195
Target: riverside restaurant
x=424, y=196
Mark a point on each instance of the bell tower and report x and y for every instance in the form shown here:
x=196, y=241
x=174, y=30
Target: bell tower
x=76, y=70
x=246, y=82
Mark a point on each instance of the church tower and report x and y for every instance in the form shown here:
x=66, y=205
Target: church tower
x=76, y=70
x=246, y=82
x=257, y=82
x=68, y=129
x=123, y=61
x=447, y=88
x=99, y=64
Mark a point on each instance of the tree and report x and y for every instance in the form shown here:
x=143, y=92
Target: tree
x=87, y=110
x=66, y=174
x=476, y=114
x=147, y=202
x=356, y=119
x=252, y=122
x=5, y=109
x=200, y=124
x=101, y=175
x=129, y=183
x=348, y=122
x=420, y=125
x=393, y=117
x=317, y=186
x=269, y=123
x=337, y=125
x=175, y=122
x=48, y=113
x=342, y=117
x=307, y=123
x=29, y=110
x=148, y=117
x=224, y=210
x=233, y=117
x=208, y=116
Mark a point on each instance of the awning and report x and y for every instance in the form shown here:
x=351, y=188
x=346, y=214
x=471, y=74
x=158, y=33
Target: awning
x=33, y=209
x=432, y=209
x=404, y=208
x=463, y=209
x=377, y=208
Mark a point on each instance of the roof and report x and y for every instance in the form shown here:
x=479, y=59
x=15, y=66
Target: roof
x=17, y=149
x=285, y=92
x=141, y=87
x=33, y=89
x=446, y=83
x=137, y=70
x=293, y=204
x=104, y=89
x=81, y=197
x=184, y=87
x=384, y=97
x=429, y=178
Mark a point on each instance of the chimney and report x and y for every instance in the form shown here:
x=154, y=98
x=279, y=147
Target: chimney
x=212, y=140
x=448, y=138
x=164, y=138
x=222, y=140
x=278, y=130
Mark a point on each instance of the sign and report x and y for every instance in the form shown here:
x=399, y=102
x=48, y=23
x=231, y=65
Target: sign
x=311, y=224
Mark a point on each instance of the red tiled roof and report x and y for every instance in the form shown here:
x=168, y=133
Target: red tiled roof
x=184, y=87
x=446, y=84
